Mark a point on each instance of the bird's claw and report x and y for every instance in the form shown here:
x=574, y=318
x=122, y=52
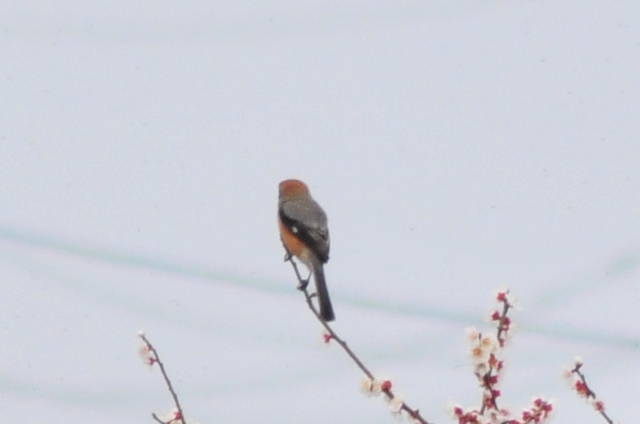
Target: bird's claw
x=303, y=285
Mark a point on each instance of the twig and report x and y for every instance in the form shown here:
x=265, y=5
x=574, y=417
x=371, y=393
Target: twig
x=583, y=389
x=155, y=417
x=487, y=356
x=489, y=379
x=179, y=415
x=386, y=388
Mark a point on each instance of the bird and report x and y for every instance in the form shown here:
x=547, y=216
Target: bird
x=305, y=235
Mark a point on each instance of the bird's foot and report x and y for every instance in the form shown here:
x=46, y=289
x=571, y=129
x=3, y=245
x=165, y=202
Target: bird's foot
x=302, y=286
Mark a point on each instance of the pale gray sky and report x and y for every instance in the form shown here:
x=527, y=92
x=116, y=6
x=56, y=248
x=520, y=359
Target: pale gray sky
x=457, y=147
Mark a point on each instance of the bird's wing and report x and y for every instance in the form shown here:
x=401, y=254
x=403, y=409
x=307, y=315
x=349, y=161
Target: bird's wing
x=309, y=222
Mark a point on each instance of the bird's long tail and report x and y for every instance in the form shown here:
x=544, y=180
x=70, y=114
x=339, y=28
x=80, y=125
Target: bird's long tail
x=326, y=310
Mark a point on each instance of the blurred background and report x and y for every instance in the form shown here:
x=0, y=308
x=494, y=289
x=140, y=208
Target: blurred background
x=457, y=146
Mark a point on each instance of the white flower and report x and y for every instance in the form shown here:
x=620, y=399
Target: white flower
x=472, y=334
x=480, y=355
x=145, y=354
x=396, y=405
x=370, y=387
x=568, y=375
x=490, y=343
x=481, y=368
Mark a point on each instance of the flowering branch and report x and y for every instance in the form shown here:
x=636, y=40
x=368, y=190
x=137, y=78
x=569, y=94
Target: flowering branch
x=371, y=385
x=488, y=372
x=579, y=384
x=150, y=355
x=486, y=352
x=537, y=413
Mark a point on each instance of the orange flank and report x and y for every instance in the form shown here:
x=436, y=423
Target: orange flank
x=293, y=244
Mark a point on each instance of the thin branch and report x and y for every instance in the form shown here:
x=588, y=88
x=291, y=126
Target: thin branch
x=156, y=359
x=485, y=380
x=302, y=285
x=155, y=417
x=504, y=324
x=587, y=392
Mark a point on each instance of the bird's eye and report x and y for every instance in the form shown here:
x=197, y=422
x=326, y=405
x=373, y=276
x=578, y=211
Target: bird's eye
x=294, y=229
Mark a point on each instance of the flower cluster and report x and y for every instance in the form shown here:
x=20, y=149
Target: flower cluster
x=499, y=316
x=477, y=416
x=472, y=416
x=486, y=354
x=374, y=387
x=538, y=413
x=578, y=382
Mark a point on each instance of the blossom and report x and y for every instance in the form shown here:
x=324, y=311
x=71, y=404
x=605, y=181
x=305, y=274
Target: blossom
x=489, y=342
x=483, y=348
x=598, y=405
x=577, y=362
x=582, y=389
x=144, y=351
x=371, y=387
x=473, y=334
x=173, y=417
x=396, y=405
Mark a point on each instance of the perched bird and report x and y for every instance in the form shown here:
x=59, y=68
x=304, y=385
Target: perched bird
x=304, y=233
